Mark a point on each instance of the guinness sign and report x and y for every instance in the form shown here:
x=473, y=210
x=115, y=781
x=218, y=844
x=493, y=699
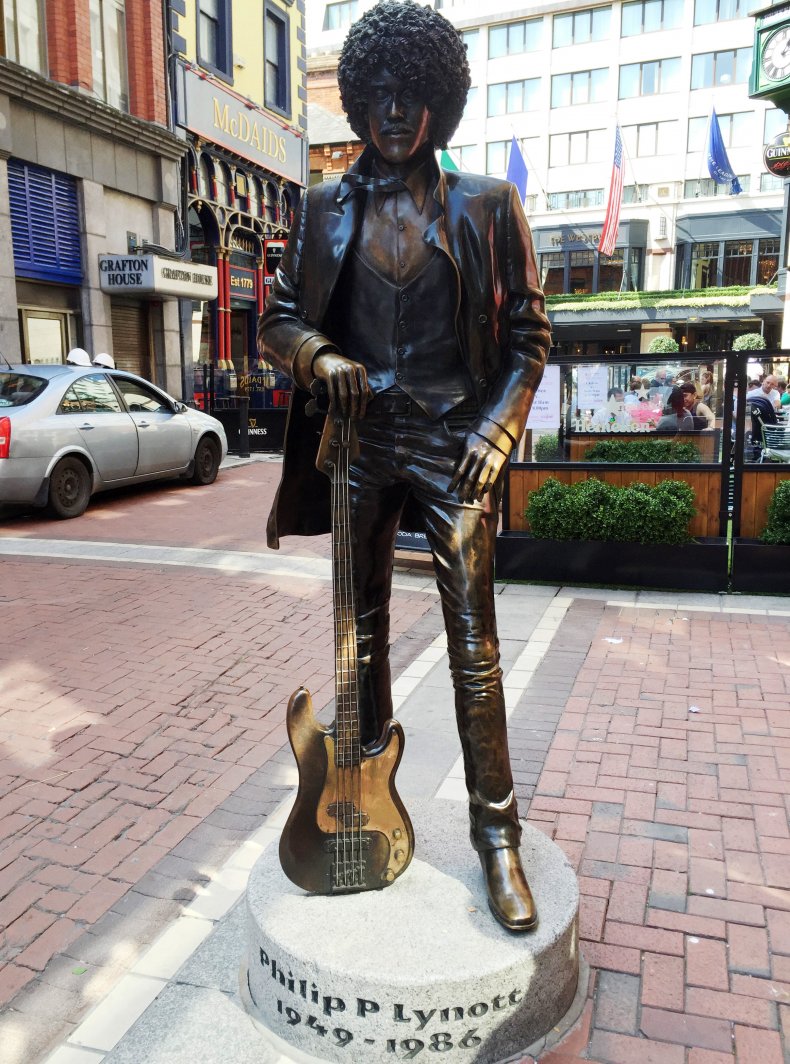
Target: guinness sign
x=776, y=156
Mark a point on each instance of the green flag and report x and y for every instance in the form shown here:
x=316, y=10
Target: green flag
x=446, y=162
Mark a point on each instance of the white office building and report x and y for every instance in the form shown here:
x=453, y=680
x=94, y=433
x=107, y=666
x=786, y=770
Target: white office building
x=560, y=77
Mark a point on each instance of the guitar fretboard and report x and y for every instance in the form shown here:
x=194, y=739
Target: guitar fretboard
x=347, y=740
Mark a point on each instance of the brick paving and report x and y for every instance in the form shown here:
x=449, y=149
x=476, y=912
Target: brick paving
x=141, y=739
x=675, y=819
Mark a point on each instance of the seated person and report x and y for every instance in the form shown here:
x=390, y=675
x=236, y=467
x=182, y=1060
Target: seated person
x=702, y=414
x=676, y=417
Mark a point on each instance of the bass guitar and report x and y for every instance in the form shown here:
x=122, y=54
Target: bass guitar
x=348, y=830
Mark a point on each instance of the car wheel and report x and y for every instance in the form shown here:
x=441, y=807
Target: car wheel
x=206, y=461
x=69, y=488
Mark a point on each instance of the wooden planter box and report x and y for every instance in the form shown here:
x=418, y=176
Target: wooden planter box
x=763, y=567
x=697, y=566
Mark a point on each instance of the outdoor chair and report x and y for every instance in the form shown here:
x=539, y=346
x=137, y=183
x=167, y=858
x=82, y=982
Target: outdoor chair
x=763, y=413
x=776, y=444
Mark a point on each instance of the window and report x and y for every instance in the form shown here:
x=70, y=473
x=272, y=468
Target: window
x=513, y=97
x=108, y=49
x=338, y=16
x=706, y=186
x=585, y=146
x=552, y=273
x=737, y=262
x=583, y=86
x=647, y=16
x=736, y=130
x=771, y=182
x=581, y=27
x=649, y=79
x=24, y=26
x=610, y=271
x=276, y=93
x=140, y=399
x=514, y=38
x=650, y=138
x=704, y=263
x=590, y=197
x=767, y=259
x=718, y=10
x=471, y=39
x=467, y=156
x=471, y=102
x=497, y=155
x=635, y=194
x=90, y=395
x=214, y=36
x=775, y=124
x=720, y=68
x=582, y=264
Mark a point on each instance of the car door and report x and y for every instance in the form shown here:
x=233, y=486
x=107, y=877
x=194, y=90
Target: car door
x=106, y=430
x=164, y=436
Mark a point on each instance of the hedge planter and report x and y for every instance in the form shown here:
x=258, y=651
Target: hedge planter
x=758, y=566
x=700, y=565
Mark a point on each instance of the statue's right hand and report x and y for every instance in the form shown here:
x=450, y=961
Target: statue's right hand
x=346, y=383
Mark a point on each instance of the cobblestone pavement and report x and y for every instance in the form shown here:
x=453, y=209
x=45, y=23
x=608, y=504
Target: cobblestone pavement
x=141, y=742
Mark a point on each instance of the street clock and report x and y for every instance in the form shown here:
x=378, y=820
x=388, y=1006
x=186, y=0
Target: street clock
x=770, y=77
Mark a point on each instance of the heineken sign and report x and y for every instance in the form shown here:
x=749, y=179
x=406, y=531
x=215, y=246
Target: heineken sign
x=776, y=156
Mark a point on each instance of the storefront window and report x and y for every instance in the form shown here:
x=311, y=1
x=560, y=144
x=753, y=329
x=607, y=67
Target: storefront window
x=25, y=38
x=552, y=273
x=221, y=178
x=204, y=178
x=582, y=263
x=704, y=260
x=610, y=272
x=270, y=198
x=108, y=46
x=767, y=261
x=254, y=196
x=737, y=262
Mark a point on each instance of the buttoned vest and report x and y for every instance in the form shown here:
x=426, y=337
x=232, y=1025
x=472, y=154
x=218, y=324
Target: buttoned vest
x=404, y=336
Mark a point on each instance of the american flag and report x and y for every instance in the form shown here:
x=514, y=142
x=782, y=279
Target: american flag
x=609, y=232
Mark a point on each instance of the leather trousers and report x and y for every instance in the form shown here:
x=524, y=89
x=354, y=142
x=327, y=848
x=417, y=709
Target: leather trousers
x=406, y=455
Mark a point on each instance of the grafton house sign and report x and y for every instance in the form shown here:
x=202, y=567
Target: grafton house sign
x=154, y=275
x=222, y=118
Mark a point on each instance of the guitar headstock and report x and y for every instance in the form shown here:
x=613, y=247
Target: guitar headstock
x=339, y=445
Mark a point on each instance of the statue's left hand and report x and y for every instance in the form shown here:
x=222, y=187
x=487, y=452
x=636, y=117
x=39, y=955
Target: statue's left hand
x=477, y=469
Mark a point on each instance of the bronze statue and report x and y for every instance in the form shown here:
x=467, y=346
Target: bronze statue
x=413, y=293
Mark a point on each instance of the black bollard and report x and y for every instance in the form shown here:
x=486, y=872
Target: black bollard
x=244, y=425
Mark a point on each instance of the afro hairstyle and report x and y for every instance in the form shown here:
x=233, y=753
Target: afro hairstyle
x=417, y=45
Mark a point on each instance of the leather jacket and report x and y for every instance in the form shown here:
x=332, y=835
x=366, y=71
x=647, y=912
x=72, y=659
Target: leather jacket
x=502, y=328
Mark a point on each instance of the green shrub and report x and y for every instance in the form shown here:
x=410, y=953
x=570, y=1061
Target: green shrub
x=663, y=345
x=778, y=528
x=645, y=451
x=592, y=509
x=547, y=448
x=749, y=342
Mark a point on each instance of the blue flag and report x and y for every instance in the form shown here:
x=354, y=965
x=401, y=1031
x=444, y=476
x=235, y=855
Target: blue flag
x=517, y=169
x=718, y=164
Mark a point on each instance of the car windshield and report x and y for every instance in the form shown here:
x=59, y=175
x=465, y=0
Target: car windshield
x=16, y=389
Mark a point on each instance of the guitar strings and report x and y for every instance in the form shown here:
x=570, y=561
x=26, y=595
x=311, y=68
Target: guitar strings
x=354, y=736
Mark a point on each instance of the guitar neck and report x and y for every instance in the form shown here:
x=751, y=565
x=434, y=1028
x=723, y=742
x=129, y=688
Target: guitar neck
x=348, y=749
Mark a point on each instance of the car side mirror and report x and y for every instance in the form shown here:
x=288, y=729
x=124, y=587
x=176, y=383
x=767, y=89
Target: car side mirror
x=180, y=408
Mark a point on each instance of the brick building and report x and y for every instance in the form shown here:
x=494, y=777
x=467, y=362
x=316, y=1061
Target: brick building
x=88, y=168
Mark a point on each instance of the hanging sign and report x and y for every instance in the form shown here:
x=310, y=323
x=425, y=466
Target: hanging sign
x=776, y=156
x=545, y=412
x=272, y=253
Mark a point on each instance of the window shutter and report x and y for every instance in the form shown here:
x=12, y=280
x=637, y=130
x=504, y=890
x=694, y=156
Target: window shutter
x=45, y=224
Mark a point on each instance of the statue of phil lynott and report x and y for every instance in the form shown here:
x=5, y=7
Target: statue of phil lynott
x=413, y=293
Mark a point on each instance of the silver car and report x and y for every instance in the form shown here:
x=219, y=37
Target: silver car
x=68, y=432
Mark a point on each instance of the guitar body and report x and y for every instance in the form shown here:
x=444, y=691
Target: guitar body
x=348, y=830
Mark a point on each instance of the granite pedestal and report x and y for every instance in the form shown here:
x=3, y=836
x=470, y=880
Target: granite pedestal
x=417, y=969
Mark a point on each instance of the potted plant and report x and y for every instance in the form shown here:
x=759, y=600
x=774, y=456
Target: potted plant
x=594, y=532
x=663, y=345
x=749, y=342
x=761, y=564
